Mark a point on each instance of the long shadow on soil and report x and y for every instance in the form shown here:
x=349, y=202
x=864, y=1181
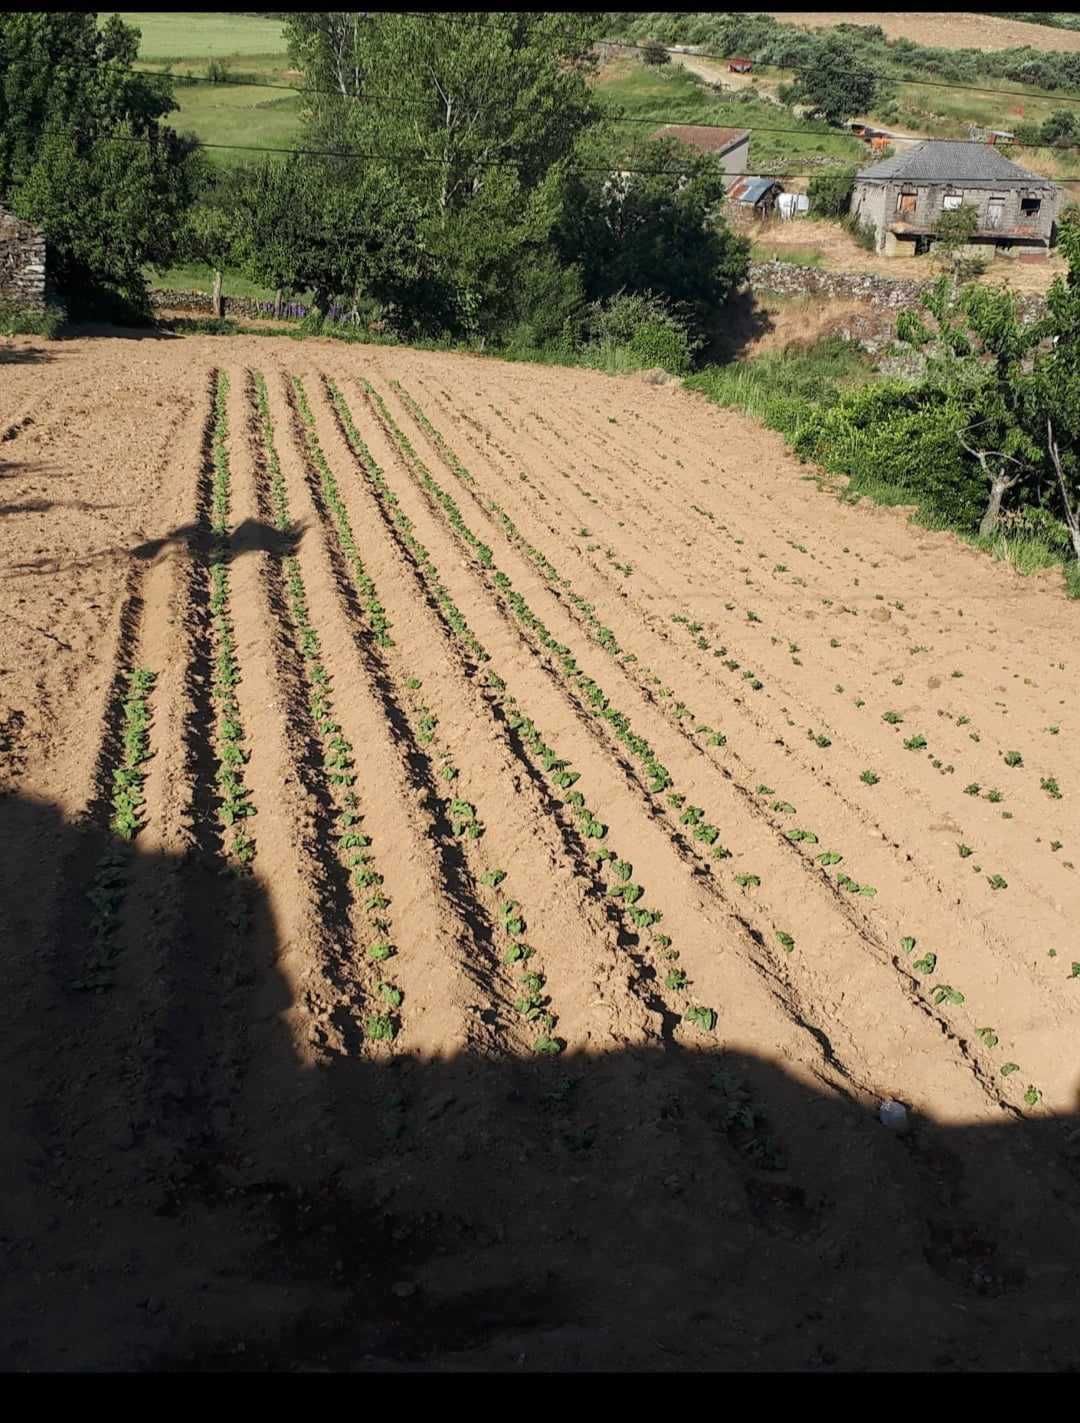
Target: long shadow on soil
x=250, y=536
x=184, y=1187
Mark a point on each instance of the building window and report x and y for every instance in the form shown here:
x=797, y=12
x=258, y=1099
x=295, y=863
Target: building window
x=1029, y=207
x=952, y=201
x=905, y=202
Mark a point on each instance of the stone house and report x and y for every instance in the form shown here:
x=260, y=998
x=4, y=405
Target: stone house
x=22, y=263
x=730, y=145
x=903, y=196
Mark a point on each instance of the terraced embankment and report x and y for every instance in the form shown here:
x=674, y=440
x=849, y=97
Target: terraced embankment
x=502, y=838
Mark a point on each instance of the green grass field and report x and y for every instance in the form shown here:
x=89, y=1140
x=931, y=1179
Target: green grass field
x=674, y=96
x=190, y=36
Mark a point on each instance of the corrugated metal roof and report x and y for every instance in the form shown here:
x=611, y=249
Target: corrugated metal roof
x=969, y=163
x=750, y=190
x=706, y=140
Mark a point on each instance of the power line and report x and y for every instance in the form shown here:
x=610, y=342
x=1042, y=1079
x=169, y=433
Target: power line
x=381, y=101
x=405, y=161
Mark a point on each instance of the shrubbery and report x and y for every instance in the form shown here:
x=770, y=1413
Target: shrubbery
x=640, y=326
x=22, y=321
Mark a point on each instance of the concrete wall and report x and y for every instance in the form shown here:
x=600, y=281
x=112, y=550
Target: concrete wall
x=22, y=263
x=877, y=203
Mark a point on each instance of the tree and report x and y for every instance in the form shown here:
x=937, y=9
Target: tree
x=835, y=83
x=84, y=154
x=830, y=193
x=978, y=355
x=1054, y=387
x=654, y=53
x=487, y=111
x=299, y=225
x=953, y=230
x=657, y=229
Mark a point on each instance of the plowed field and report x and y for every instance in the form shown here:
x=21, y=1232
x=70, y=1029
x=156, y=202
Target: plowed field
x=481, y=842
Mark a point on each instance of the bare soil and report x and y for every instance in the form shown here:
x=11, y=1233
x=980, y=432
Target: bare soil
x=951, y=29
x=213, y=1162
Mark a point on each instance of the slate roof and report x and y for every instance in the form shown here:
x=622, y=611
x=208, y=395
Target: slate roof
x=964, y=163
x=705, y=139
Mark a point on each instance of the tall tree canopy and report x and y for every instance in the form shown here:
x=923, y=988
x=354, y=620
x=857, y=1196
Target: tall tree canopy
x=84, y=153
x=468, y=124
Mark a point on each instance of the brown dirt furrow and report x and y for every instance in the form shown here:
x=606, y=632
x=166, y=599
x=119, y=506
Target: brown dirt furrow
x=736, y=502
x=548, y=872
x=1036, y=817
x=871, y=848
x=831, y=926
x=445, y=989
x=621, y=802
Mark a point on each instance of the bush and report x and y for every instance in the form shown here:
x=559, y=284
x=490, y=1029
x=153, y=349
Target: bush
x=830, y=193
x=653, y=52
x=23, y=321
x=643, y=326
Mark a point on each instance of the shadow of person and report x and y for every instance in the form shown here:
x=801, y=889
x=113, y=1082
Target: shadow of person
x=190, y=1183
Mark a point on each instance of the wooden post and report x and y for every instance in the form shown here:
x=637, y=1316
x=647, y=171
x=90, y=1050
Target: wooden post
x=217, y=301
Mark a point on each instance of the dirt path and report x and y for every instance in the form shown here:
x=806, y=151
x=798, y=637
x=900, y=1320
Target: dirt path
x=565, y=688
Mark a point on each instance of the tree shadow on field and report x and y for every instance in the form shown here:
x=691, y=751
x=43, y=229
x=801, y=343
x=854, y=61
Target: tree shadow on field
x=24, y=355
x=187, y=1185
x=250, y=536
x=741, y=323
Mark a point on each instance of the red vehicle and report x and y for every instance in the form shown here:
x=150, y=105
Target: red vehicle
x=739, y=65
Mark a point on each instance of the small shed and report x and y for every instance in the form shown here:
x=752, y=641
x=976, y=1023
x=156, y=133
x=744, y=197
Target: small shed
x=756, y=196
x=739, y=64
x=730, y=145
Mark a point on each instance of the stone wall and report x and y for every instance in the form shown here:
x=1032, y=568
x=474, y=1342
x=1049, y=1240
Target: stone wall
x=885, y=293
x=22, y=263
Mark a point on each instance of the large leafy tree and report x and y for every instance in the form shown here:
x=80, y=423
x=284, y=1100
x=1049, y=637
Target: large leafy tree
x=835, y=82
x=655, y=226
x=1054, y=387
x=84, y=152
x=468, y=124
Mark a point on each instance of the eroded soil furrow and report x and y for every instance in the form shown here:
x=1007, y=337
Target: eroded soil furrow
x=882, y=861
x=439, y=967
x=603, y=756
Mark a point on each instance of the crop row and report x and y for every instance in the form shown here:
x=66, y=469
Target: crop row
x=353, y=847
x=691, y=817
x=560, y=772
x=460, y=814
x=109, y=883
x=235, y=805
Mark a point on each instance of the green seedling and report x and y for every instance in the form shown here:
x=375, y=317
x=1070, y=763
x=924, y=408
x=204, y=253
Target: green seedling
x=1032, y=1096
x=915, y=743
x=927, y=964
x=1013, y=758
x=676, y=979
x=1008, y=1068
x=783, y=807
x=965, y=851
x=907, y=944
x=996, y=882
x=380, y=1028
x=517, y=953
x=493, y=877
x=870, y=778
x=945, y=993
x=1051, y=787
x=785, y=940
x=830, y=857
x=748, y=881
x=892, y=717
x=973, y=789
x=547, y=1046
x=988, y=1036
x=392, y=994
x=995, y=797
x=380, y=951
x=703, y=1018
